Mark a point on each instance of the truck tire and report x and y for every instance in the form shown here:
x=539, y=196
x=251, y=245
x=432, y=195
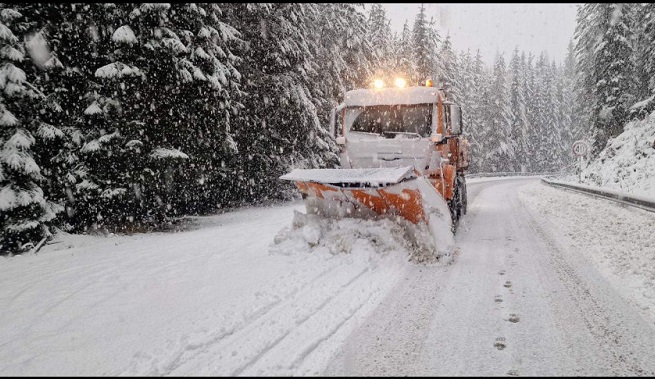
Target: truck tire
x=464, y=196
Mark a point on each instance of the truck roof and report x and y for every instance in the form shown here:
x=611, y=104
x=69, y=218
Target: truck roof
x=391, y=96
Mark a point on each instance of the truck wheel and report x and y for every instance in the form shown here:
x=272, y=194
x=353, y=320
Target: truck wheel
x=464, y=196
x=455, y=204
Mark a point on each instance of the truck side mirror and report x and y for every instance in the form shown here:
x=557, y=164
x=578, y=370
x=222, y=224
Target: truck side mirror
x=333, y=118
x=455, y=119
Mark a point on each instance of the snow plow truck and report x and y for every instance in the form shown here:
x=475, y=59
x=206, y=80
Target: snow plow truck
x=402, y=156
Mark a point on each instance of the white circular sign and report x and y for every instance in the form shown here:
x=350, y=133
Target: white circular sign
x=580, y=147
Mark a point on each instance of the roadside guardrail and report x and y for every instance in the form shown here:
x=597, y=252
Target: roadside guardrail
x=633, y=200
x=496, y=174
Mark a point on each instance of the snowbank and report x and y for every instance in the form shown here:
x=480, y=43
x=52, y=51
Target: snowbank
x=628, y=161
x=618, y=240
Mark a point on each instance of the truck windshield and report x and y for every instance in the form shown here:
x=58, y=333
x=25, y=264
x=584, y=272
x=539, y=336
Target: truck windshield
x=391, y=120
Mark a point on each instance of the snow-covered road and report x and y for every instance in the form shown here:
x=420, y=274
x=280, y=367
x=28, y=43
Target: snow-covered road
x=224, y=299
x=521, y=297
x=544, y=282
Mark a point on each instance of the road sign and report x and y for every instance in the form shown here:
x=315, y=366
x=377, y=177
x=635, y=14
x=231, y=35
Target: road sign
x=580, y=148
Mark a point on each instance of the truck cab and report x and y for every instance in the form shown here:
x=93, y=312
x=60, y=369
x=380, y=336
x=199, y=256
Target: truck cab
x=408, y=126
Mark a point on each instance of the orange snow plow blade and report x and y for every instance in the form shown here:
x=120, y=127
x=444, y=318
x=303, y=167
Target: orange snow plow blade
x=400, y=194
x=361, y=192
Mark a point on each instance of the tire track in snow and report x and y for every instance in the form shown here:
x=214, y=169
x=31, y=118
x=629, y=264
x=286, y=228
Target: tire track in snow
x=303, y=352
x=606, y=321
x=239, y=349
x=164, y=366
x=312, y=332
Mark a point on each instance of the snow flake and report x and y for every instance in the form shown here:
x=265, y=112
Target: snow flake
x=38, y=48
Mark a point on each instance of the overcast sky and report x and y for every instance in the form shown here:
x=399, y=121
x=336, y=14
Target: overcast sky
x=496, y=27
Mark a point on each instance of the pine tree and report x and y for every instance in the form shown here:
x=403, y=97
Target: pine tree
x=210, y=94
x=448, y=74
x=643, y=33
x=347, y=59
x=501, y=143
x=404, y=63
x=605, y=56
x=25, y=211
x=465, y=80
x=613, y=62
x=519, y=116
x=570, y=119
x=535, y=105
x=586, y=33
x=378, y=33
x=69, y=37
x=154, y=54
x=279, y=125
x=425, y=41
x=477, y=124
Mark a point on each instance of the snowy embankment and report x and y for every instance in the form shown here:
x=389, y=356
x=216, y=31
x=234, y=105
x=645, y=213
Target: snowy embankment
x=245, y=293
x=618, y=240
x=627, y=163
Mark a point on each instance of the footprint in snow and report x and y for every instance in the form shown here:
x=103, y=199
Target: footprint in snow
x=500, y=343
x=514, y=318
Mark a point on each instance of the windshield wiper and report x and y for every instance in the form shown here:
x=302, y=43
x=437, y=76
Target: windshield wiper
x=394, y=134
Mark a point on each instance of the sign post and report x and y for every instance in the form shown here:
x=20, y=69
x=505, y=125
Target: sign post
x=580, y=149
